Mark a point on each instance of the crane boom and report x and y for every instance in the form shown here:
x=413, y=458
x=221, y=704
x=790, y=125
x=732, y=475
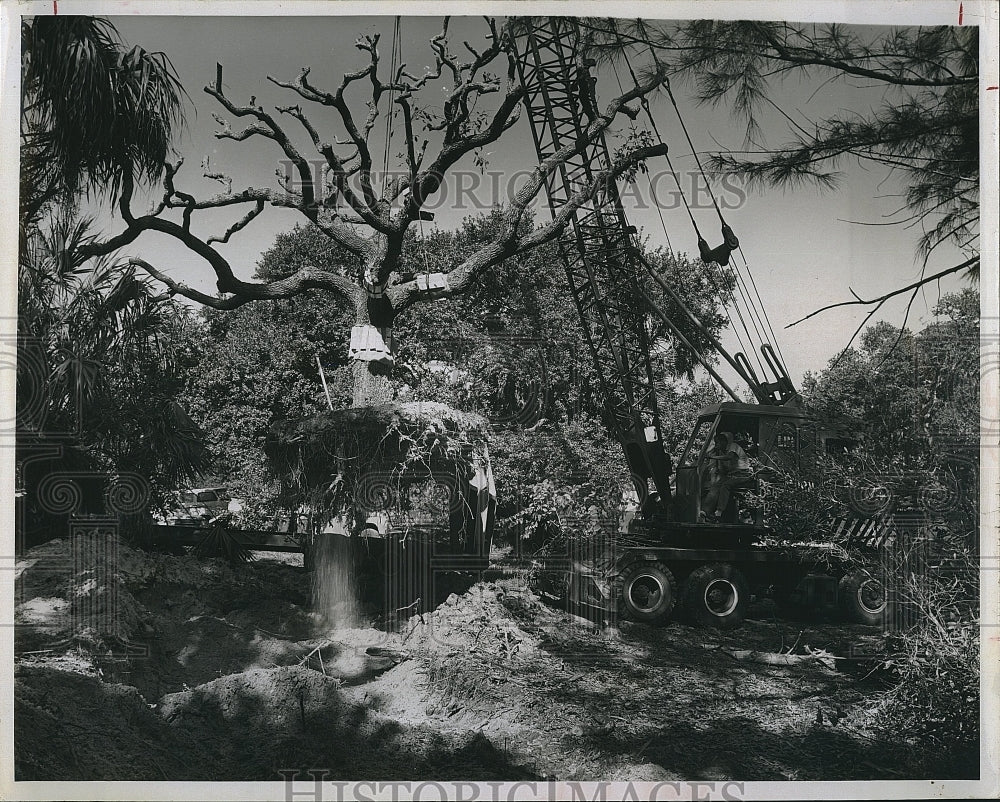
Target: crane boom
x=596, y=249
x=703, y=530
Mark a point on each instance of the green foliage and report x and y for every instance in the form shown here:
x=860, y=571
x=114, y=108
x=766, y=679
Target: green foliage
x=556, y=481
x=517, y=330
x=917, y=398
x=918, y=395
x=510, y=348
x=934, y=700
x=102, y=356
x=303, y=246
x=680, y=402
x=221, y=541
x=258, y=364
x=94, y=111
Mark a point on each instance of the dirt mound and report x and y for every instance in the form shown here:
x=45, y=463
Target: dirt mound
x=227, y=675
x=156, y=621
x=245, y=726
x=476, y=621
x=72, y=589
x=76, y=727
x=261, y=721
x=270, y=615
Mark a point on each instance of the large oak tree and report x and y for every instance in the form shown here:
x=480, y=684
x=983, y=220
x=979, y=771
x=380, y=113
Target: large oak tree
x=347, y=204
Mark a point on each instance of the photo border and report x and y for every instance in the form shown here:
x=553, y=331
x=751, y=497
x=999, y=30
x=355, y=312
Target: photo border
x=878, y=12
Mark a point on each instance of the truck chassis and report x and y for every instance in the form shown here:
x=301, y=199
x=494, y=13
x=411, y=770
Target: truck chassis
x=713, y=584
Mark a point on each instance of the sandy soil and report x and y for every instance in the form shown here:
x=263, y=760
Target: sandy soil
x=189, y=668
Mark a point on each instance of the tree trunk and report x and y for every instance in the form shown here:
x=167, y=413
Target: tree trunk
x=371, y=384
x=371, y=378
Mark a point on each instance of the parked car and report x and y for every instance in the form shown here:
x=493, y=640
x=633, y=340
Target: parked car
x=199, y=506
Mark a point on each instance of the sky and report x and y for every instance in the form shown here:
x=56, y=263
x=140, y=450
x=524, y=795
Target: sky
x=801, y=246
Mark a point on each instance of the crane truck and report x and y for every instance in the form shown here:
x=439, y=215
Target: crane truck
x=673, y=560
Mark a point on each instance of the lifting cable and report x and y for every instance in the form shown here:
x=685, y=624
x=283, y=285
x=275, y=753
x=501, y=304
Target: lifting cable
x=393, y=64
x=663, y=225
x=767, y=320
x=740, y=286
x=722, y=289
x=760, y=318
x=644, y=102
x=747, y=303
x=645, y=172
x=747, y=300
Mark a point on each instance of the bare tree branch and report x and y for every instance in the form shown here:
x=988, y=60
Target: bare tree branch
x=239, y=225
x=305, y=279
x=268, y=127
x=968, y=264
x=509, y=241
x=337, y=101
x=465, y=130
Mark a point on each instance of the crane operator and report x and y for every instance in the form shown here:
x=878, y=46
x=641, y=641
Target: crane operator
x=731, y=471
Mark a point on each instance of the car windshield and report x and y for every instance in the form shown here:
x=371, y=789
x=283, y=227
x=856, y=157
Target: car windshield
x=208, y=495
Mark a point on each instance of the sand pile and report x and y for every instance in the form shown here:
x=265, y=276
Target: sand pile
x=476, y=621
x=71, y=589
x=75, y=727
x=222, y=672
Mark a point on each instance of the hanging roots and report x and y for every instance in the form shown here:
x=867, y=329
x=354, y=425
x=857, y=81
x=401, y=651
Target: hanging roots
x=362, y=459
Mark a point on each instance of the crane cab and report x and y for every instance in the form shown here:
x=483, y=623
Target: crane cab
x=777, y=439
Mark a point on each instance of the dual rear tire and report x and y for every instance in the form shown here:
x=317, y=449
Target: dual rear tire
x=714, y=595
x=717, y=595
x=648, y=591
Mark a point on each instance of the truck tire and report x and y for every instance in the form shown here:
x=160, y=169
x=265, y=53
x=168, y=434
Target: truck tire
x=648, y=591
x=716, y=595
x=863, y=598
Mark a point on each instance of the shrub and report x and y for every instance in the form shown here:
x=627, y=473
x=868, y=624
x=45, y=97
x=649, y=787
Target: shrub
x=933, y=702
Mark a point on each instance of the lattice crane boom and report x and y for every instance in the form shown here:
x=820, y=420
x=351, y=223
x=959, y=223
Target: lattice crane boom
x=597, y=250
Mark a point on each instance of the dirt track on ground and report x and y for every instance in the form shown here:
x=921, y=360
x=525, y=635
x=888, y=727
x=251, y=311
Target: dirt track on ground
x=223, y=673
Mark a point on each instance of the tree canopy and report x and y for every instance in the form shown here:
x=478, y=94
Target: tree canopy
x=93, y=111
x=917, y=393
x=922, y=126
x=510, y=348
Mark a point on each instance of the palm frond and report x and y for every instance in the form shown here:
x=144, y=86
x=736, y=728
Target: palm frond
x=93, y=110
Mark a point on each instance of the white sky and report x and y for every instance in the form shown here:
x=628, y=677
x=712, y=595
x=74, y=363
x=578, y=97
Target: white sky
x=801, y=250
